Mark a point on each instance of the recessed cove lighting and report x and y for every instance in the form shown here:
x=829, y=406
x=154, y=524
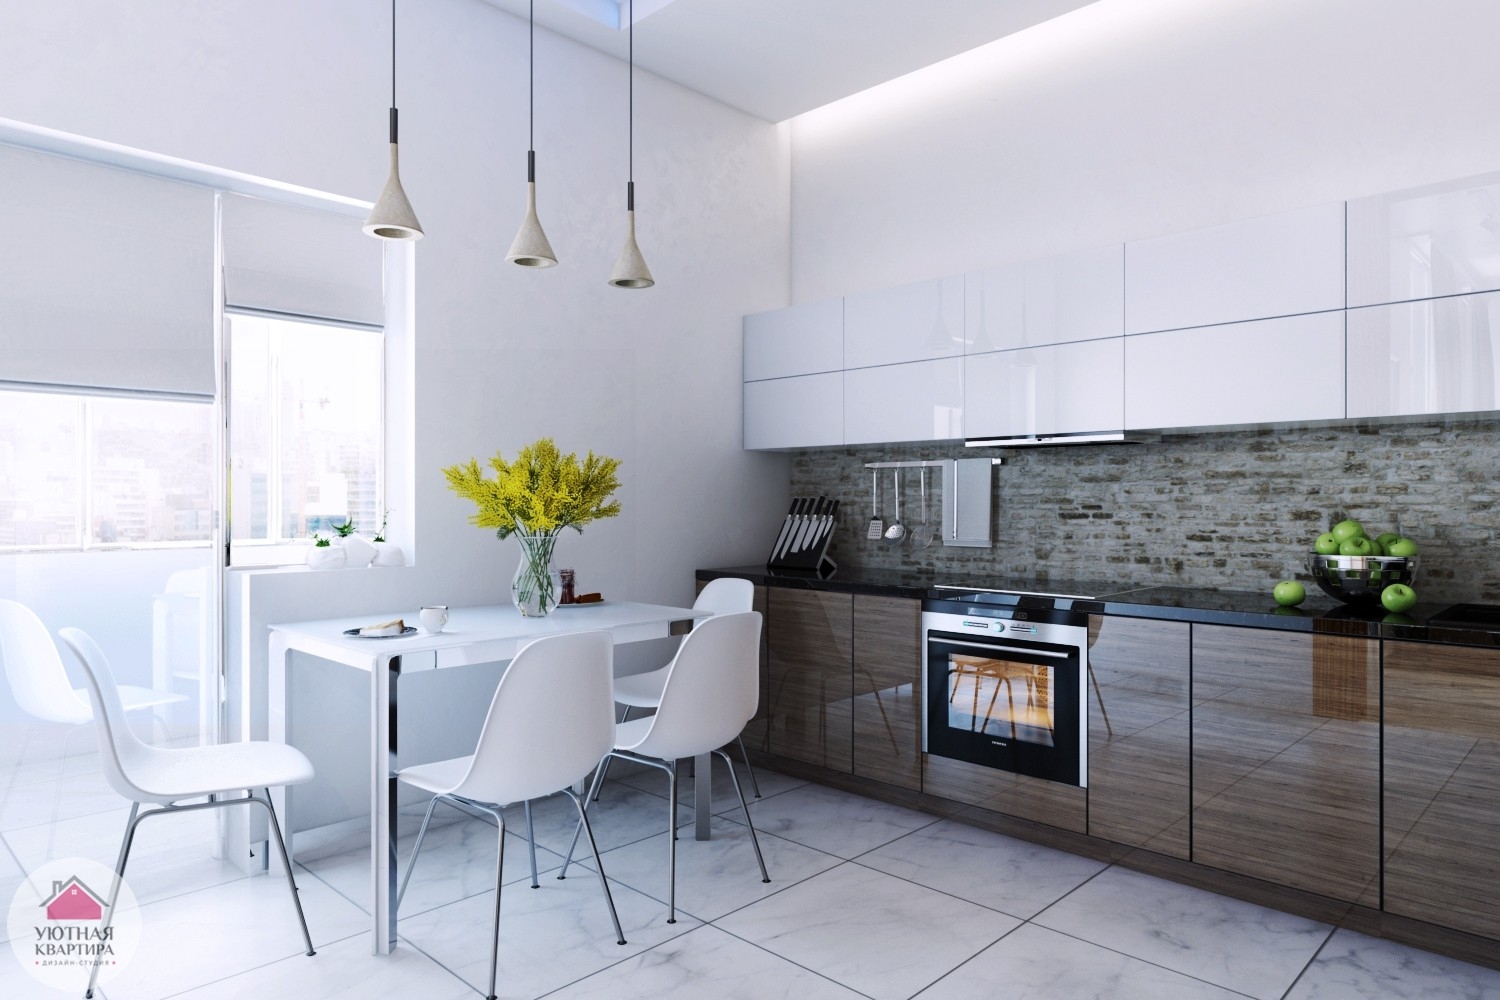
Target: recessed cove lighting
x=613, y=13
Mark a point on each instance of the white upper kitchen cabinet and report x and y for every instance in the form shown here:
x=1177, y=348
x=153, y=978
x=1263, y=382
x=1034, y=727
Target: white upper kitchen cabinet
x=800, y=340
x=1277, y=265
x=1268, y=371
x=1434, y=356
x=1058, y=389
x=917, y=401
x=908, y=323
x=1053, y=300
x=1442, y=239
x=805, y=411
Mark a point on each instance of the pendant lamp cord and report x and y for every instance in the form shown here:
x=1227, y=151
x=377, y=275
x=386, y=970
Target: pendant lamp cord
x=393, y=72
x=531, y=95
x=630, y=167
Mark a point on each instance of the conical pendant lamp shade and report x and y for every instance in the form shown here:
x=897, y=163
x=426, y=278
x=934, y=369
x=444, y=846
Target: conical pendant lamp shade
x=392, y=217
x=630, y=269
x=531, y=248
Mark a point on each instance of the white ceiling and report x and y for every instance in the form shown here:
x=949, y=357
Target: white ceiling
x=778, y=58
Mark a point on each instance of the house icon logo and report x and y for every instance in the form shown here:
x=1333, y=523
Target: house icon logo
x=72, y=900
x=62, y=928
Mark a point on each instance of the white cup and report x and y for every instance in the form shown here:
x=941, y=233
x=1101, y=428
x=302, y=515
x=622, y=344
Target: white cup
x=433, y=617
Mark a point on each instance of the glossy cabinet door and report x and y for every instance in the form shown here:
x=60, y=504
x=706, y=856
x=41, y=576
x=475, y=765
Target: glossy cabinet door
x=1442, y=239
x=1277, y=265
x=1060, y=389
x=810, y=650
x=1271, y=371
x=888, y=689
x=800, y=340
x=1052, y=300
x=1139, y=750
x=920, y=401
x=1442, y=785
x=908, y=323
x=1286, y=758
x=1433, y=356
x=801, y=412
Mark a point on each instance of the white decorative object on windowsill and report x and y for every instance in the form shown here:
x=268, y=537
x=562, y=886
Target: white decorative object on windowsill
x=326, y=557
x=359, y=551
x=388, y=554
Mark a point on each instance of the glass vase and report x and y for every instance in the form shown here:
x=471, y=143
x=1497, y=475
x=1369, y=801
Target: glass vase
x=536, y=586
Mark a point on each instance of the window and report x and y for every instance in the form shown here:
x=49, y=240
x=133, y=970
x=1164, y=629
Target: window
x=91, y=472
x=306, y=414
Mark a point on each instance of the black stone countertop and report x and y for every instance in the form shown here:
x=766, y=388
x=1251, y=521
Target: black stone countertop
x=1319, y=613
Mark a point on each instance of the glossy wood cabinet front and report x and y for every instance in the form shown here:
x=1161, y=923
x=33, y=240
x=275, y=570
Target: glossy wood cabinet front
x=888, y=689
x=1286, y=758
x=810, y=676
x=1442, y=785
x=755, y=730
x=1139, y=750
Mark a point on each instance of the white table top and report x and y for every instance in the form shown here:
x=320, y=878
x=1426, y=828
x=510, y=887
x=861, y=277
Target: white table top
x=475, y=634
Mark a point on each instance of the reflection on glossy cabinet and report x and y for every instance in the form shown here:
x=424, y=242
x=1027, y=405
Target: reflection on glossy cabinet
x=1442, y=239
x=754, y=734
x=1286, y=758
x=908, y=323
x=1052, y=300
x=1139, y=777
x=1442, y=785
x=799, y=340
x=811, y=690
x=1435, y=356
x=920, y=401
x=1061, y=389
x=888, y=689
x=804, y=411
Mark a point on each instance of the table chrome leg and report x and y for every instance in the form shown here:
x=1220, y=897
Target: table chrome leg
x=703, y=795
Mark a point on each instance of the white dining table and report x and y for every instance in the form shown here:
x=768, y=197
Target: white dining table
x=488, y=634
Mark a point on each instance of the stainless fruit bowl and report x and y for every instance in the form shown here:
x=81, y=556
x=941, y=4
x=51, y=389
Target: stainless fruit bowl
x=1360, y=579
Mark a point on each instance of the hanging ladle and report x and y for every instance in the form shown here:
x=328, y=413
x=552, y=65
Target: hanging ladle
x=897, y=531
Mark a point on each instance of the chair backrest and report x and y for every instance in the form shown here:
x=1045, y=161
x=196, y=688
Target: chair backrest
x=712, y=689
x=551, y=720
x=727, y=595
x=118, y=745
x=34, y=669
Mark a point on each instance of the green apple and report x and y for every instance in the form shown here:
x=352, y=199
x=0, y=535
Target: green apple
x=1385, y=538
x=1396, y=618
x=1358, y=545
x=1289, y=593
x=1326, y=545
x=1398, y=597
x=1401, y=547
x=1377, y=547
x=1346, y=530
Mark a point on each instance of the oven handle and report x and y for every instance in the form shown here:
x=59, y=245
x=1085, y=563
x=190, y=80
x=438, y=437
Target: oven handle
x=989, y=646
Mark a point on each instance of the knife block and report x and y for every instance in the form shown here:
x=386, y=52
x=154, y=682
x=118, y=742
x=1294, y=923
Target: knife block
x=803, y=539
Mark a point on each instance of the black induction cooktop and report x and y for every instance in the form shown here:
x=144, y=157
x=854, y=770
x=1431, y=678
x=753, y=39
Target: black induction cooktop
x=1486, y=616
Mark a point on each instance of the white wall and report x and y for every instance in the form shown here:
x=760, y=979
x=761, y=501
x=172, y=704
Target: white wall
x=1134, y=118
x=298, y=91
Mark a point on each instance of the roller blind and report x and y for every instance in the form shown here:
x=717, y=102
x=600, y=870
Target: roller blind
x=106, y=277
x=283, y=259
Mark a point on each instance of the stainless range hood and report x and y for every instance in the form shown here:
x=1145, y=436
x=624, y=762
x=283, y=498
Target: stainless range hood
x=1057, y=440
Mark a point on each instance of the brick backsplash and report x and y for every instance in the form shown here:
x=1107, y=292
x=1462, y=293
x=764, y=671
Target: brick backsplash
x=1234, y=510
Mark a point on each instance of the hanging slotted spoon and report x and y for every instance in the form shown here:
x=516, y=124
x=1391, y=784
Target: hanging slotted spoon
x=897, y=531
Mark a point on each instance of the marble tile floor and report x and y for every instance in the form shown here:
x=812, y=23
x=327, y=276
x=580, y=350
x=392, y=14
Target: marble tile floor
x=866, y=900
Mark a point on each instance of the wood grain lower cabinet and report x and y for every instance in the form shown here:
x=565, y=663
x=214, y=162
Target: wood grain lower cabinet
x=1286, y=758
x=888, y=689
x=1442, y=785
x=811, y=696
x=1139, y=749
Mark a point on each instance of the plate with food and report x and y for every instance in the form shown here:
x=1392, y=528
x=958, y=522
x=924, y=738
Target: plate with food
x=394, y=629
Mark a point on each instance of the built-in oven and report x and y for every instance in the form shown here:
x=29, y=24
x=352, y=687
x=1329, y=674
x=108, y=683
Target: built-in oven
x=1005, y=686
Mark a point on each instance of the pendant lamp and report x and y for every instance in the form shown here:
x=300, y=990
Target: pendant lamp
x=630, y=268
x=531, y=248
x=392, y=217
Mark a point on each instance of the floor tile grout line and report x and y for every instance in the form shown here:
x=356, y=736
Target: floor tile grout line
x=256, y=968
x=1144, y=961
x=966, y=961
x=783, y=958
x=1309, y=964
x=944, y=892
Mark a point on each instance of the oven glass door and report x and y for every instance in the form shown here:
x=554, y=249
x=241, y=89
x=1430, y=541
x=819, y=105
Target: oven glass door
x=1010, y=704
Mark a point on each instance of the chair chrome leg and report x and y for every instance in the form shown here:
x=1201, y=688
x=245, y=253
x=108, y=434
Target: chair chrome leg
x=499, y=881
x=286, y=863
x=604, y=764
x=531, y=844
x=592, y=796
x=411, y=865
x=754, y=785
x=672, y=845
x=583, y=819
x=754, y=841
x=114, y=888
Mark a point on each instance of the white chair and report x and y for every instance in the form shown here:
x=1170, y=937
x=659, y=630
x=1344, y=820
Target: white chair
x=724, y=596
x=166, y=777
x=712, y=690
x=550, y=722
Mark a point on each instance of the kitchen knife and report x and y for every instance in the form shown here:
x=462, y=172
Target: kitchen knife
x=799, y=505
x=786, y=528
x=799, y=540
x=825, y=525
